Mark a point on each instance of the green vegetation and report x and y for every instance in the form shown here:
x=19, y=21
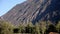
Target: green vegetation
x=6, y=28
x=58, y=26
x=38, y=28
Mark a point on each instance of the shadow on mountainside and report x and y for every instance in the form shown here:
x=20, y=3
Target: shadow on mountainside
x=53, y=7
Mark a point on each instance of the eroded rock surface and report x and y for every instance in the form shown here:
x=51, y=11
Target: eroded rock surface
x=34, y=11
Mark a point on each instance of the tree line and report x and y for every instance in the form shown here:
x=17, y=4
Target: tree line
x=42, y=27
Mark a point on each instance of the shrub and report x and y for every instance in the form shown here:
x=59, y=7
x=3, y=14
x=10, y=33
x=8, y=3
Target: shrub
x=58, y=26
x=37, y=28
x=6, y=27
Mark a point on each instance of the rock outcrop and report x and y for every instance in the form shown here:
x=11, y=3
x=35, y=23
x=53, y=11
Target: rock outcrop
x=34, y=11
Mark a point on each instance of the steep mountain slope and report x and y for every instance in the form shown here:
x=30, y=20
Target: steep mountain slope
x=34, y=11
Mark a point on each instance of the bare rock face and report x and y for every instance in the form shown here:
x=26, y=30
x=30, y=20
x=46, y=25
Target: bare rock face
x=1, y=18
x=34, y=11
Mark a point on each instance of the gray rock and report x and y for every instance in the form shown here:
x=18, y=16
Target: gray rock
x=34, y=11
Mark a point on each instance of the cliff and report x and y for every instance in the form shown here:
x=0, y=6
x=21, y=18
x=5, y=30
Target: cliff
x=34, y=11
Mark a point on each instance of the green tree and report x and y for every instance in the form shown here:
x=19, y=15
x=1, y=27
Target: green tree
x=21, y=28
x=43, y=26
x=58, y=26
x=6, y=27
x=37, y=28
x=29, y=27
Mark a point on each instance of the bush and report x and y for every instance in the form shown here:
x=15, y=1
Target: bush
x=29, y=28
x=58, y=26
x=37, y=28
x=21, y=28
x=6, y=27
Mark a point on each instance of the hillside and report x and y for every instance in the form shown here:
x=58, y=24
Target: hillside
x=34, y=11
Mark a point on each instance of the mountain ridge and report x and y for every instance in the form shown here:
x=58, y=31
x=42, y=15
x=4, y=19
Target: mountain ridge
x=34, y=11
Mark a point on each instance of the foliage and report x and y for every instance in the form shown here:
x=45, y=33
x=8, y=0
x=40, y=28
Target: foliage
x=21, y=28
x=43, y=26
x=29, y=28
x=58, y=26
x=6, y=27
x=37, y=28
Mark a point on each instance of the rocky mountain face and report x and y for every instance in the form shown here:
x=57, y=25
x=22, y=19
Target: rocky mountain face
x=0, y=18
x=34, y=11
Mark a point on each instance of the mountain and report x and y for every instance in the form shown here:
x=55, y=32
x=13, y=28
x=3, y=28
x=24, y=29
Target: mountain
x=34, y=11
x=0, y=18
